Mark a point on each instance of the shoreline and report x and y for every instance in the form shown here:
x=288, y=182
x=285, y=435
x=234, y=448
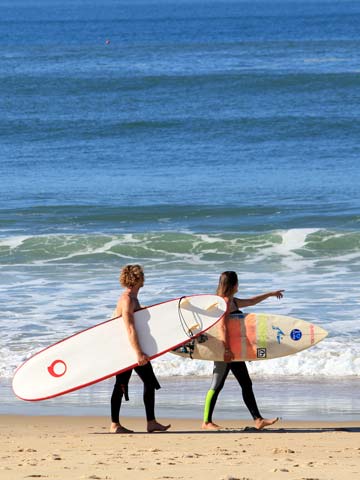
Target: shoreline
x=82, y=448
x=291, y=398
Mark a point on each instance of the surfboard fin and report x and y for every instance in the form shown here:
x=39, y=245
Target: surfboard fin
x=184, y=301
x=193, y=327
x=213, y=305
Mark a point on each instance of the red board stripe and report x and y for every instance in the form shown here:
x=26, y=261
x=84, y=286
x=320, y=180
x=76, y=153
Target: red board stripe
x=250, y=326
x=234, y=332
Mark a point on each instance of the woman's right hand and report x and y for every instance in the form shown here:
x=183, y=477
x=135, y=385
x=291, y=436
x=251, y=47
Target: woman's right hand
x=228, y=355
x=142, y=359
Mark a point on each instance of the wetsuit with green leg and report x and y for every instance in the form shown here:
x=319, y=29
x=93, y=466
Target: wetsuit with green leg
x=220, y=373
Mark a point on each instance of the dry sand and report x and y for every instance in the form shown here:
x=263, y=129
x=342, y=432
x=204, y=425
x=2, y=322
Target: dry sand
x=81, y=448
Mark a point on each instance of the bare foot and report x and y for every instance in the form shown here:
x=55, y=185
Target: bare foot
x=154, y=426
x=117, y=428
x=210, y=426
x=261, y=423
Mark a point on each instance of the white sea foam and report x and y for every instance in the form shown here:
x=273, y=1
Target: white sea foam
x=13, y=241
x=293, y=239
x=60, y=296
x=328, y=359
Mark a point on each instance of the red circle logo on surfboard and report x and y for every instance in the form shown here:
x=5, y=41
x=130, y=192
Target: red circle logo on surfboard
x=57, y=368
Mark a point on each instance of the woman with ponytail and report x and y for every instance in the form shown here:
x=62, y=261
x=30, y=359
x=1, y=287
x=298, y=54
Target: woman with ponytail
x=227, y=288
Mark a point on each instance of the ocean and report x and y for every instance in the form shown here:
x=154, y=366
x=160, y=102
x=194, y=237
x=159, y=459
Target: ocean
x=192, y=137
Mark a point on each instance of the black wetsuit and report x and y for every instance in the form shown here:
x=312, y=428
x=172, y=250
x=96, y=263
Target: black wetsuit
x=220, y=373
x=151, y=384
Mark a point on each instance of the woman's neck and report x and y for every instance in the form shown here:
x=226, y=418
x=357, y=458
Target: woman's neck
x=133, y=291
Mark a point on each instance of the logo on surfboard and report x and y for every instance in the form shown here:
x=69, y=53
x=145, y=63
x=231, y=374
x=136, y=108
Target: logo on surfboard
x=261, y=353
x=279, y=335
x=57, y=368
x=296, y=334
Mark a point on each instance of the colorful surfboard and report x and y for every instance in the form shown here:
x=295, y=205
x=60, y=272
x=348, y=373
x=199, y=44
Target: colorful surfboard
x=256, y=336
x=104, y=350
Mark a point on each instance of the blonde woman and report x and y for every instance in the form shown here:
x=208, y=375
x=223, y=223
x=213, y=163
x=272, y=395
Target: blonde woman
x=132, y=279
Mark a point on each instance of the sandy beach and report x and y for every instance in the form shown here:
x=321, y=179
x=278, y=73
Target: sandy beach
x=57, y=447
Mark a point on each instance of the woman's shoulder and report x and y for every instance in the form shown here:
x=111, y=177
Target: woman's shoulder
x=123, y=300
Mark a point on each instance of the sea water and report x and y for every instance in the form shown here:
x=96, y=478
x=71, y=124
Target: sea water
x=191, y=137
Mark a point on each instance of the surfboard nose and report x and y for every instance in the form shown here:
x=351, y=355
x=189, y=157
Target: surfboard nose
x=321, y=332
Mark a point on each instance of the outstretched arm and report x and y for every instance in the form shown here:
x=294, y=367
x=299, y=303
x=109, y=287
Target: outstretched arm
x=248, y=302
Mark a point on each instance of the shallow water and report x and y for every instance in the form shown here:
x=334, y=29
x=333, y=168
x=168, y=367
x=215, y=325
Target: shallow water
x=291, y=398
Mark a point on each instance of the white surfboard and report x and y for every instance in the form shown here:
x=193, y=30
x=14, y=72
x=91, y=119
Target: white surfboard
x=256, y=336
x=104, y=350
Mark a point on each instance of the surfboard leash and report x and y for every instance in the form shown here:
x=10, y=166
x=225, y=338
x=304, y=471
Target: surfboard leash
x=190, y=346
x=187, y=330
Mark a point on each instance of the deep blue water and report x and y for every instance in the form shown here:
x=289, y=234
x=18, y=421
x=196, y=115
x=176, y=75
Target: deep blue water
x=190, y=136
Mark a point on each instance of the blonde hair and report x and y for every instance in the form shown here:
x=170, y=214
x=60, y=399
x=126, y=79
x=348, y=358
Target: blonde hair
x=131, y=275
x=227, y=283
